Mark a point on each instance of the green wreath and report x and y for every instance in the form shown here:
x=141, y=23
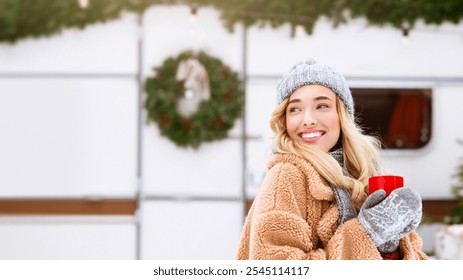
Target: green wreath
x=213, y=118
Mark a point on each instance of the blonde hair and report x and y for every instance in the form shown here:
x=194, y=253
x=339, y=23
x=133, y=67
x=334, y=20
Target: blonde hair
x=360, y=152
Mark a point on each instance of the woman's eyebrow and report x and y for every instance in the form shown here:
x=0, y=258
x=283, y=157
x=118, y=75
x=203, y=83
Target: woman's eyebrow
x=318, y=98
x=294, y=100
x=322, y=97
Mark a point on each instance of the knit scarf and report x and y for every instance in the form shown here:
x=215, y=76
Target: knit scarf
x=346, y=207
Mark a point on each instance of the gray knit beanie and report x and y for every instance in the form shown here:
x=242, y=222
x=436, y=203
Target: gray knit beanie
x=309, y=72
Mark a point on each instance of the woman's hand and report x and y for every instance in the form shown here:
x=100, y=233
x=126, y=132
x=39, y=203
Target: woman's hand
x=389, y=219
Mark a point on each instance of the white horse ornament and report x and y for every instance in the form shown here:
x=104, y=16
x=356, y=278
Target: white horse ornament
x=196, y=84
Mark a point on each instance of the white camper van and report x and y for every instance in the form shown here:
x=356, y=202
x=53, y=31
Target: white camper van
x=84, y=176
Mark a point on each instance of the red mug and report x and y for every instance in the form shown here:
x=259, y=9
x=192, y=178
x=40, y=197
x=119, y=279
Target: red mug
x=385, y=182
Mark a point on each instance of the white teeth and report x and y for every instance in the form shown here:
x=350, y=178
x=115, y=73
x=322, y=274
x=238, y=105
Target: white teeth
x=312, y=135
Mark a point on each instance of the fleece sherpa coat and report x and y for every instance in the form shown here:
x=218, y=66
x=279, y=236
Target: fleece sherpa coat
x=295, y=217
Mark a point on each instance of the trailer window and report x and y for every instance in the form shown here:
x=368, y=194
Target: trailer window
x=400, y=117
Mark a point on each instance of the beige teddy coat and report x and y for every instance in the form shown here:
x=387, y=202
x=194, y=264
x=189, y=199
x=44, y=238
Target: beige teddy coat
x=295, y=217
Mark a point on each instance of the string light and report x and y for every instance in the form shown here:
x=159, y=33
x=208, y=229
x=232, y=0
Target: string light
x=299, y=32
x=194, y=13
x=405, y=38
x=299, y=28
x=83, y=3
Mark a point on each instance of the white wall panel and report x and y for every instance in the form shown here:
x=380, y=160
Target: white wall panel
x=67, y=238
x=258, y=154
x=359, y=50
x=260, y=103
x=214, y=169
x=99, y=48
x=202, y=230
x=169, y=30
x=68, y=137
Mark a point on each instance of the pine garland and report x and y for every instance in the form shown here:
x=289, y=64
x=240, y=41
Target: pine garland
x=21, y=19
x=213, y=119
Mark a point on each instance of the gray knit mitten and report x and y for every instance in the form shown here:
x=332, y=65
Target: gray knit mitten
x=389, y=219
x=389, y=246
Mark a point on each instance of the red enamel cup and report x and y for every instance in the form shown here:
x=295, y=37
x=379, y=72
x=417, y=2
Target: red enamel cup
x=385, y=182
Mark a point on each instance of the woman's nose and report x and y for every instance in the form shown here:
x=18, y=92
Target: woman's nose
x=308, y=120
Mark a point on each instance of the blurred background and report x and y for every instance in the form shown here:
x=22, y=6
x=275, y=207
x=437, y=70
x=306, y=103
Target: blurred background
x=96, y=162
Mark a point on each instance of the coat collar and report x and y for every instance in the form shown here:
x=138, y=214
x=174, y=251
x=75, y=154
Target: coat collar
x=318, y=186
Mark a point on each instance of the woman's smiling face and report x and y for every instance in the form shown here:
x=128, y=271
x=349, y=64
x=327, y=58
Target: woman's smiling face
x=312, y=117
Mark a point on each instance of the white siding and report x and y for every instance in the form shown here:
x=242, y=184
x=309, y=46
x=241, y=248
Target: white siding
x=69, y=119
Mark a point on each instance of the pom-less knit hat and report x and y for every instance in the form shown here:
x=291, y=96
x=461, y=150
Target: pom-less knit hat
x=309, y=72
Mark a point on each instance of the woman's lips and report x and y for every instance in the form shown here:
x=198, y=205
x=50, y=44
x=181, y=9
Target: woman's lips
x=311, y=136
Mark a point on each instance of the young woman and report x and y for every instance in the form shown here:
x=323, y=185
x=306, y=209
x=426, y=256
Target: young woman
x=313, y=202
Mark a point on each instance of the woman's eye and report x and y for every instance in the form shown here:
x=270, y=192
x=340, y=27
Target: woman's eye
x=322, y=106
x=293, y=109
